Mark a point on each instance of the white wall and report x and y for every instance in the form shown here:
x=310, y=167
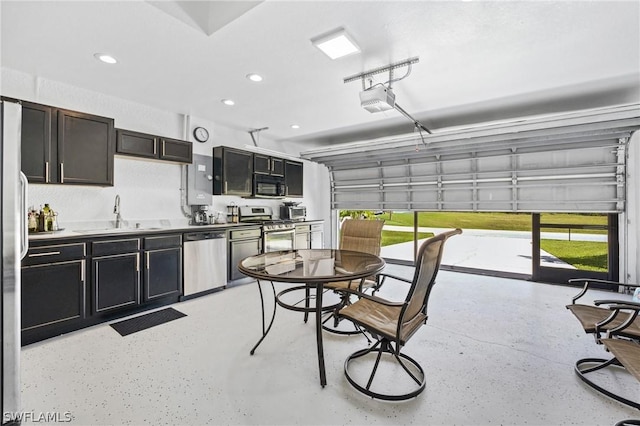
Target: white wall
x=149, y=190
x=629, y=224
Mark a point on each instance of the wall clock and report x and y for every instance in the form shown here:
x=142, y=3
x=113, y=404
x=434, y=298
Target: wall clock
x=201, y=134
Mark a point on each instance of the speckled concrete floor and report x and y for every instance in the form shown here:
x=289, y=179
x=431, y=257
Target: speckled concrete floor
x=495, y=351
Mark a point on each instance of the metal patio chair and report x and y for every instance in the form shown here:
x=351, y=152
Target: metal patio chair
x=356, y=235
x=393, y=323
x=597, y=318
x=625, y=351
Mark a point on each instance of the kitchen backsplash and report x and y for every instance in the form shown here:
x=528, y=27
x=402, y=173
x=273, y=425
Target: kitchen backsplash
x=149, y=191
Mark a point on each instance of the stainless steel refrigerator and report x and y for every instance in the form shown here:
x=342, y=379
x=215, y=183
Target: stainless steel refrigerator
x=14, y=247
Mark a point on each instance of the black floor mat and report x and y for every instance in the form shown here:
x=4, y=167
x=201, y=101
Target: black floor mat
x=143, y=322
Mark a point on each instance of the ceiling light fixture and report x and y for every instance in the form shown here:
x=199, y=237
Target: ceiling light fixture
x=254, y=77
x=336, y=44
x=107, y=59
x=228, y=102
x=295, y=126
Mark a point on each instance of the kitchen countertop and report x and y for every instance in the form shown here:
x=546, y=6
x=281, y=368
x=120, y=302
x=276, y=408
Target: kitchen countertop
x=108, y=232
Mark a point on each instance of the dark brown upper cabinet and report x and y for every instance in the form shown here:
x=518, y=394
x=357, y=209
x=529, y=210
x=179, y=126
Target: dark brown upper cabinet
x=176, y=150
x=293, y=178
x=37, y=149
x=150, y=146
x=61, y=146
x=232, y=171
x=266, y=165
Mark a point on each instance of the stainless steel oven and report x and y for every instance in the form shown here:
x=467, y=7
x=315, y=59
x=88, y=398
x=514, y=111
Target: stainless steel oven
x=278, y=236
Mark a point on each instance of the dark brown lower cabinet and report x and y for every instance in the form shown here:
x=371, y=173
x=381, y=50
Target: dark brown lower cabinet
x=53, y=290
x=52, y=294
x=163, y=267
x=116, y=281
x=70, y=285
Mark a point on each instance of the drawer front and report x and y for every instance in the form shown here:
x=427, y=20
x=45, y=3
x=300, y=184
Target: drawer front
x=55, y=253
x=318, y=227
x=301, y=229
x=242, y=234
x=162, y=242
x=107, y=247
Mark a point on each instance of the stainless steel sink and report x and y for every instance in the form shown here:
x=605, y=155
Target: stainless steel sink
x=115, y=230
x=102, y=230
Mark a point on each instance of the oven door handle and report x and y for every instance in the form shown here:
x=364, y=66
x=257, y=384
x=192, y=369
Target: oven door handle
x=288, y=231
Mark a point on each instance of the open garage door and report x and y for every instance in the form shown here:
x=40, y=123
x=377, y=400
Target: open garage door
x=575, y=163
x=559, y=166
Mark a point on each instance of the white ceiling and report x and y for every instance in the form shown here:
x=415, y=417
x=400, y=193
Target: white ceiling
x=479, y=60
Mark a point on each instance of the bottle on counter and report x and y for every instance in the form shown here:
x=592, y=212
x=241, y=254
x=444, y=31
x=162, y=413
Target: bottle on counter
x=48, y=218
x=41, y=219
x=33, y=220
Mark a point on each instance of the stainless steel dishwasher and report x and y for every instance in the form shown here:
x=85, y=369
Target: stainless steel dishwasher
x=205, y=261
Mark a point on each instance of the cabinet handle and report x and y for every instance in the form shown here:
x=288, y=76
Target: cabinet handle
x=148, y=259
x=163, y=142
x=50, y=253
x=82, y=272
x=138, y=262
x=155, y=146
x=225, y=186
x=61, y=172
x=46, y=172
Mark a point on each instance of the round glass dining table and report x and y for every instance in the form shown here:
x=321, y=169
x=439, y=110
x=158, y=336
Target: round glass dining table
x=307, y=269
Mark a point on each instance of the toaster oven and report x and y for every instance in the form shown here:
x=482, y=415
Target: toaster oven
x=293, y=212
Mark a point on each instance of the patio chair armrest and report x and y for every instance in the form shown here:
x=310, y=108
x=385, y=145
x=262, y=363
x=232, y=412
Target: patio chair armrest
x=599, y=281
x=588, y=281
x=613, y=302
x=371, y=297
x=382, y=277
x=625, y=306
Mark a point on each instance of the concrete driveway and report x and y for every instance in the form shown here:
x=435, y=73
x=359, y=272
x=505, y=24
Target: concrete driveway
x=507, y=251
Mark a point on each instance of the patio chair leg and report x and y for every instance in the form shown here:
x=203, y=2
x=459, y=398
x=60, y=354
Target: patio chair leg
x=384, y=346
x=600, y=364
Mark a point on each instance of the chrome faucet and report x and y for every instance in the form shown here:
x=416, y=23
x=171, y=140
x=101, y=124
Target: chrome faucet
x=116, y=211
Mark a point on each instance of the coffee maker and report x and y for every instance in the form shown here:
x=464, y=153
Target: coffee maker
x=199, y=215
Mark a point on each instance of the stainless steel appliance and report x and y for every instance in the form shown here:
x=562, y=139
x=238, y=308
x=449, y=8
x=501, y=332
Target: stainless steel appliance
x=293, y=212
x=200, y=180
x=268, y=186
x=205, y=261
x=276, y=234
x=14, y=247
x=199, y=215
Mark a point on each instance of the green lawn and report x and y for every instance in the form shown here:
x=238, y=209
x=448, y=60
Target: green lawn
x=584, y=255
x=396, y=237
x=496, y=221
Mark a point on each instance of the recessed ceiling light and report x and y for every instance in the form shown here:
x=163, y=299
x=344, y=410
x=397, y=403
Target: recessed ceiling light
x=107, y=59
x=336, y=44
x=228, y=102
x=254, y=77
x=295, y=126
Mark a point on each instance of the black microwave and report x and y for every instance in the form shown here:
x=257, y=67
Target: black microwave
x=268, y=186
